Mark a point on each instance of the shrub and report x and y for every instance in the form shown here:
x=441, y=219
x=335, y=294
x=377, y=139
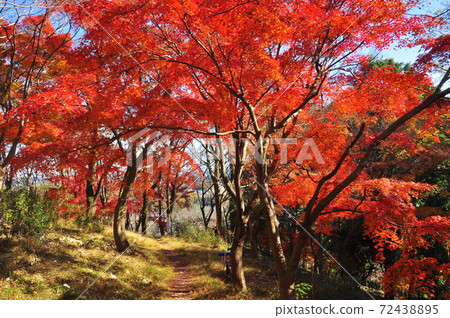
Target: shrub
x=302, y=290
x=27, y=211
x=91, y=224
x=195, y=234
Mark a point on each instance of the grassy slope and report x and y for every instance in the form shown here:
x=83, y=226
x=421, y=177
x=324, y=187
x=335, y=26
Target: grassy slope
x=63, y=263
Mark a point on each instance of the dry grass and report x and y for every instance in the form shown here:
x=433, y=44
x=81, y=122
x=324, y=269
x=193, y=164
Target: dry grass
x=63, y=263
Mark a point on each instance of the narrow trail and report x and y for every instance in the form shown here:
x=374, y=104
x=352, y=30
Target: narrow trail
x=181, y=285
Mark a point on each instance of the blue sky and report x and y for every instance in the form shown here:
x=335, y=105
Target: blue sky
x=409, y=55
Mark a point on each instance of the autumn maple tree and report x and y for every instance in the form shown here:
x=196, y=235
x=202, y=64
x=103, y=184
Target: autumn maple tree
x=288, y=84
x=257, y=71
x=32, y=54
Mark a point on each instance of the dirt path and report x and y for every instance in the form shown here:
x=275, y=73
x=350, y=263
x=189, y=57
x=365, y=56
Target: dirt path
x=181, y=285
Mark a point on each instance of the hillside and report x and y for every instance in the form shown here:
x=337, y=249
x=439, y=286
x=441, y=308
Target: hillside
x=66, y=261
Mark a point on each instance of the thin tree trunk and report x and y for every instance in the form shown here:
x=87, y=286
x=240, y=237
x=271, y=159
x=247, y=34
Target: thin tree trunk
x=206, y=217
x=93, y=193
x=9, y=181
x=214, y=172
x=162, y=228
x=170, y=194
x=237, y=248
x=253, y=233
x=91, y=199
x=92, y=209
x=144, y=212
x=120, y=212
x=127, y=222
x=5, y=181
x=2, y=178
x=170, y=224
x=218, y=198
